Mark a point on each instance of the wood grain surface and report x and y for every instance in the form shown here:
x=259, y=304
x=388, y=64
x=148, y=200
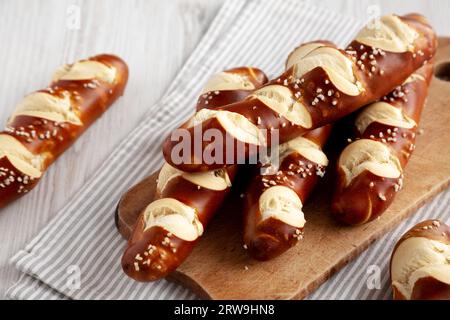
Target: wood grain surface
x=219, y=267
x=155, y=38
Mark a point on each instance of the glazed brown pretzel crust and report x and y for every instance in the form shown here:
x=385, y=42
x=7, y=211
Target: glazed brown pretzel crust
x=153, y=251
x=428, y=287
x=45, y=139
x=368, y=195
x=315, y=96
x=267, y=238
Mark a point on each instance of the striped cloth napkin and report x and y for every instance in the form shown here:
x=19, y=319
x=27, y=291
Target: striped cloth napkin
x=77, y=256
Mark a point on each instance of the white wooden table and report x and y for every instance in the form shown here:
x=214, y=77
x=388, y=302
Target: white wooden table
x=154, y=37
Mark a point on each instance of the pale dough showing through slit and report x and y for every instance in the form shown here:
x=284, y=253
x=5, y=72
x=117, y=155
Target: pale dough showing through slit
x=282, y=203
x=175, y=217
x=20, y=157
x=370, y=155
x=86, y=70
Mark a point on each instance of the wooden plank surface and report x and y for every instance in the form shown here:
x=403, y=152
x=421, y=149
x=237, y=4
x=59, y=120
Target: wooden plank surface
x=155, y=37
x=219, y=267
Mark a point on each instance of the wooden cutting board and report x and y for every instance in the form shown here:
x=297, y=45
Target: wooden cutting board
x=219, y=268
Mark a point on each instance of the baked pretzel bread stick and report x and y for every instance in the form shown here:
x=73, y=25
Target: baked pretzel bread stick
x=370, y=169
x=420, y=263
x=230, y=86
x=321, y=85
x=169, y=227
x=273, y=216
x=47, y=122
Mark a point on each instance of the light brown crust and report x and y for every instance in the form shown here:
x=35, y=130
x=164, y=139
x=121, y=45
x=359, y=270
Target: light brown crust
x=376, y=71
x=49, y=139
x=369, y=195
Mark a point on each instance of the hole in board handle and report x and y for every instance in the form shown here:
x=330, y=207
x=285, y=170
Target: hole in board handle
x=442, y=71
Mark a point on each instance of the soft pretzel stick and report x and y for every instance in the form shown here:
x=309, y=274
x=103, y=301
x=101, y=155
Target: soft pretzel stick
x=273, y=216
x=420, y=263
x=47, y=122
x=169, y=227
x=370, y=169
x=321, y=85
x=230, y=86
